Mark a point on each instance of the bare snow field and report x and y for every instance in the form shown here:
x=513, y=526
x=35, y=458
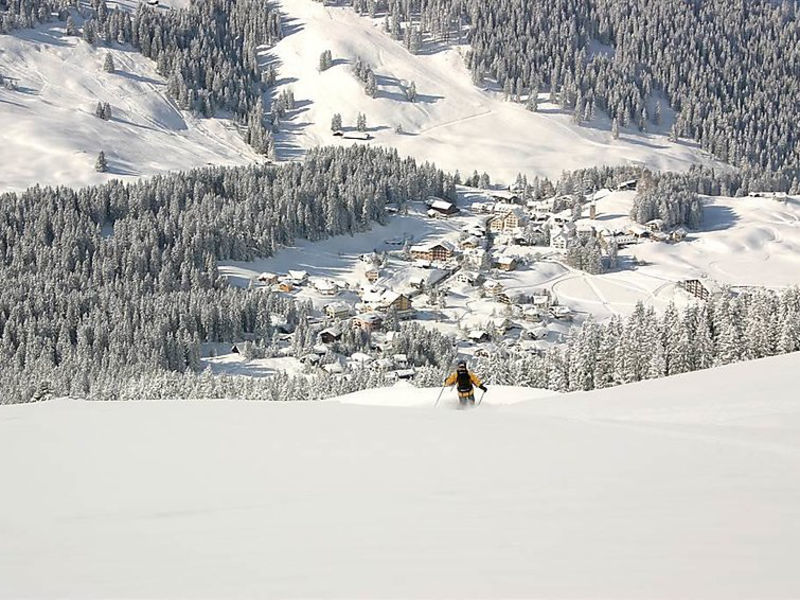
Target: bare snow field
x=674, y=488
x=743, y=241
x=453, y=123
x=51, y=135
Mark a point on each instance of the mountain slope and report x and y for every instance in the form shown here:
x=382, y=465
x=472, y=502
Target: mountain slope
x=682, y=487
x=50, y=132
x=452, y=122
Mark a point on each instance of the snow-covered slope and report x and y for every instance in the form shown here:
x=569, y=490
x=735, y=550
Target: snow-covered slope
x=50, y=133
x=452, y=122
x=682, y=487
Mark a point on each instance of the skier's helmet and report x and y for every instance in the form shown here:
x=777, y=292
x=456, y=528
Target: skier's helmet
x=461, y=365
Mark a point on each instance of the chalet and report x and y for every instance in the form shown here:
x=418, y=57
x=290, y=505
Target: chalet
x=561, y=312
x=433, y=251
x=620, y=238
x=267, y=278
x=508, y=221
x=330, y=335
x=540, y=301
x=362, y=136
x=337, y=310
x=483, y=207
x=679, y=234
x=628, y=186
x=513, y=297
x=400, y=360
x=440, y=207
x=404, y=373
x=320, y=349
x=373, y=296
x=492, y=287
x=396, y=301
x=310, y=359
x=535, y=333
x=368, y=321
x=559, y=239
x=505, y=263
x=471, y=242
x=285, y=286
x=501, y=324
x=638, y=231
x=655, y=225
x=704, y=289
x=660, y=236
x=478, y=335
x=360, y=359
x=585, y=230
x=326, y=287
x=468, y=277
x=372, y=275
x=297, y=277
x=505, y=196
x=532, y=314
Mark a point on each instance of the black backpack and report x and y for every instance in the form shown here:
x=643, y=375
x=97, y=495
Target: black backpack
x=463, y=382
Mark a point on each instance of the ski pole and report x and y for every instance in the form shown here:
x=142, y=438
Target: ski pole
x=481, y=398
x=435, y=404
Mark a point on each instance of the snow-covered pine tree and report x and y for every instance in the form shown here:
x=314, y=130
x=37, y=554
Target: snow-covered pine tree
x=100, y=165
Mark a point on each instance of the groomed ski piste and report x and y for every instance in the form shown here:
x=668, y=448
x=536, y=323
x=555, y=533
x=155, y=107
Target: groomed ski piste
x=685, y=487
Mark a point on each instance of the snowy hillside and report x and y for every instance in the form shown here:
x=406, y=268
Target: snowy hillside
x=683, y=487
x=452, y=122
x=50, y=132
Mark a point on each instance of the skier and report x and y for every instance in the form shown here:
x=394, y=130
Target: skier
x=464, y=380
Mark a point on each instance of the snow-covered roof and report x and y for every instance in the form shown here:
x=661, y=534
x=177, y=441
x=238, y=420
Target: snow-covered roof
x=369, y=317
x=326, y=284
x=477, y=334
x=637, y=229
x=361, y=357
x=298, y=275
x=505, y=260
x=337, y=307
x=428, y=246
x=440, y=204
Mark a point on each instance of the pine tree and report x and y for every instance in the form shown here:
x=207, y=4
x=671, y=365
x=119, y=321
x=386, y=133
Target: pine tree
x=361, y=122
x=336, y=122
x=108, y=64
x=411, y=92
x=101, y=166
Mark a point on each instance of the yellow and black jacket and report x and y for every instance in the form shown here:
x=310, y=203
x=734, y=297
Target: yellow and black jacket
x=465, y=381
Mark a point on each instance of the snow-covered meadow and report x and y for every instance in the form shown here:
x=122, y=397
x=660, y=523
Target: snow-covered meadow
x=452, y=123
x=51, y=135
x=674, y=488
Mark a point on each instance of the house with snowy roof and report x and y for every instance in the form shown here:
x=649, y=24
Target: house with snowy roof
x=441, y=207
x=509, y=220
x=297, y=277
x=337, y=310
x=433, y=251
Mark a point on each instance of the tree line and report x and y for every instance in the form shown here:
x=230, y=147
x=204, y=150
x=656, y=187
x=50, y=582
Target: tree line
x=121, y=279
